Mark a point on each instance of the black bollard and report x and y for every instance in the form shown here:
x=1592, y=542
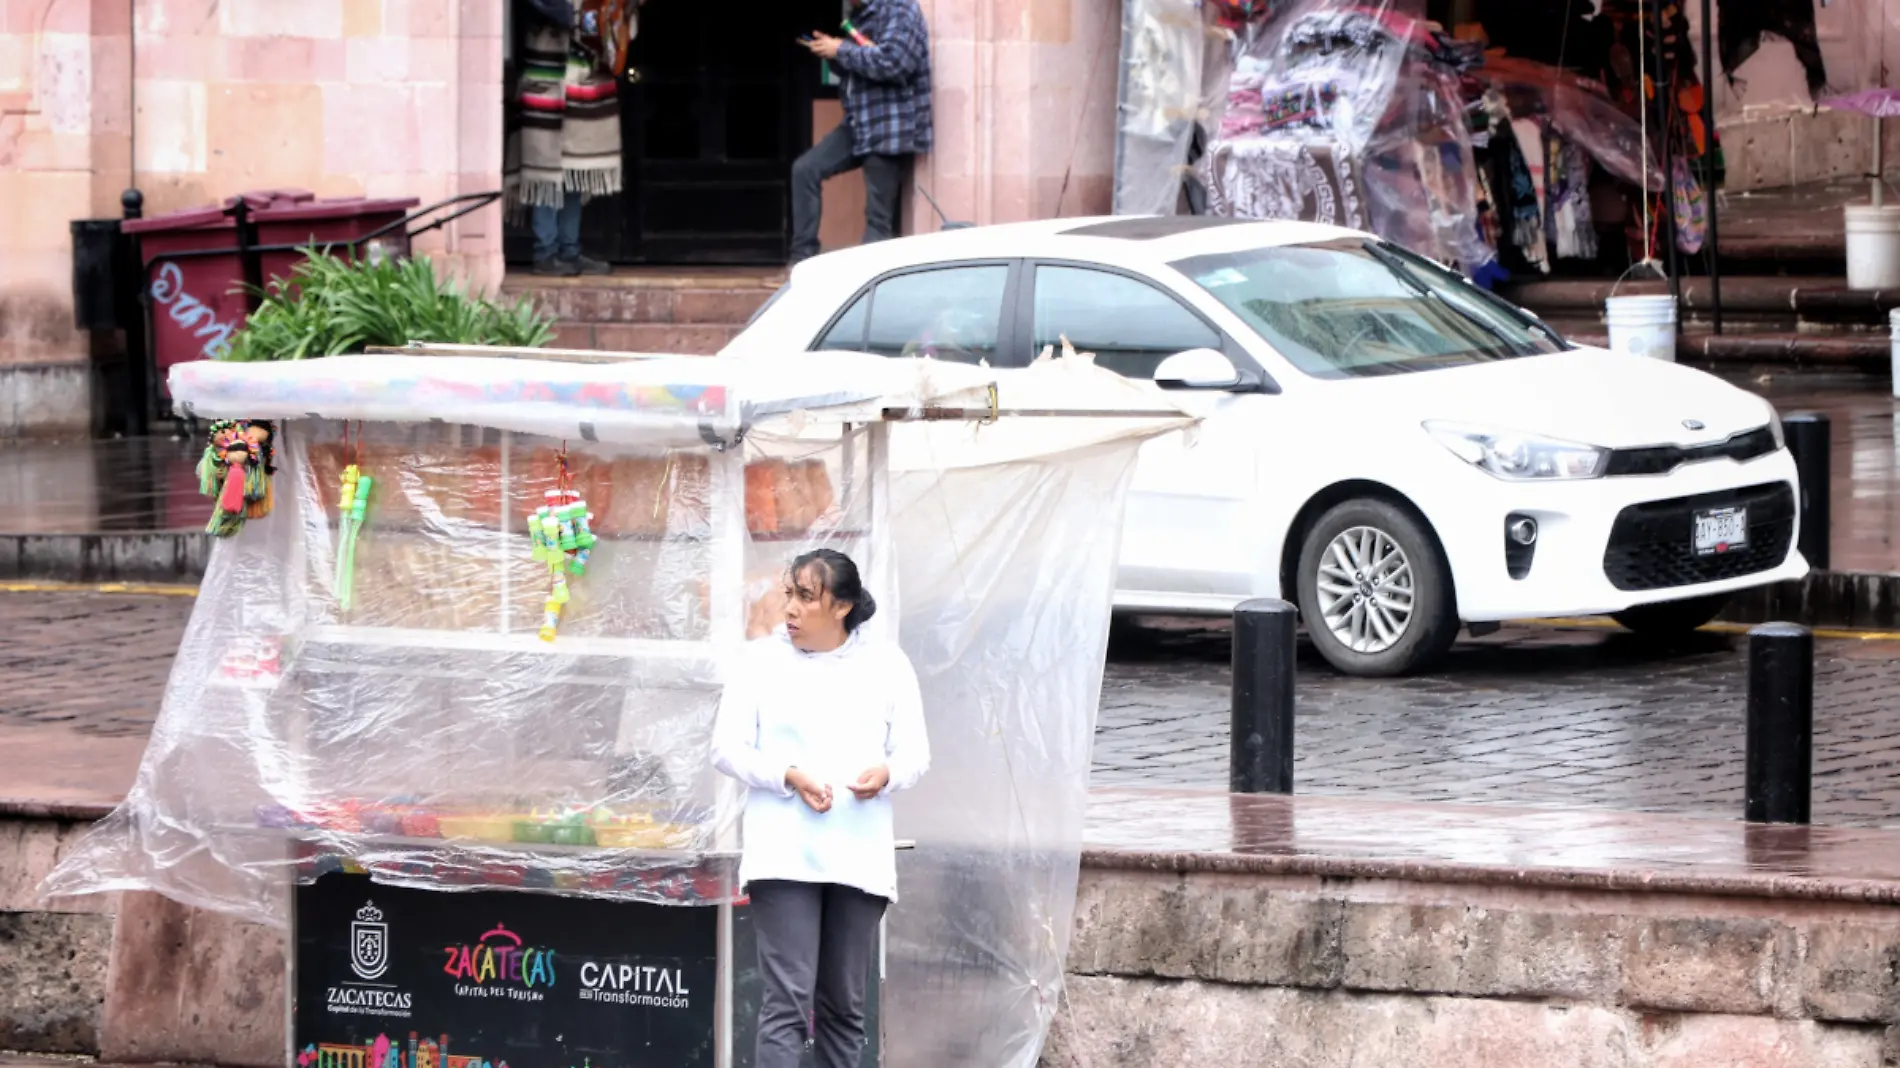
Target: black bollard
x=1262, y=758
x=1780, y=748
x=1810, y=439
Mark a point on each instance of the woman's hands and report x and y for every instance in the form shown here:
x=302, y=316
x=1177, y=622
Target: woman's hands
x=871, y=783
x=818, y=795
x=814, y=793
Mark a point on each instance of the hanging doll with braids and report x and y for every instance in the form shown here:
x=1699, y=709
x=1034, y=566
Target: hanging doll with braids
x=238, y=462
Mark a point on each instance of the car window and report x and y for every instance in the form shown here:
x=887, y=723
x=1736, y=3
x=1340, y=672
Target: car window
x=1355, y=308
x=954, y=313
x=1130, y=325
x=847, y=334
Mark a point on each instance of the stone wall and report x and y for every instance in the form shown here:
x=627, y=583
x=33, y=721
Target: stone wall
x=65, y=153
x=54, y=959
x=1025, y=110
x=379, y=98
x=1167, y=968
x=1171, y=968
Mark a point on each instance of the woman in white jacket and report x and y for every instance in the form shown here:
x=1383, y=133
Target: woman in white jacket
x=823, y=726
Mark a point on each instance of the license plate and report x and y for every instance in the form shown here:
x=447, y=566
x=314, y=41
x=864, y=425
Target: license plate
x=1720, y=530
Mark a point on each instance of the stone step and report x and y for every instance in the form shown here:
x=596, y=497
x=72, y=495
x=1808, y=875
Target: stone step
x=688, y=338
x=727, y=298
x=1864, y=353
x=1791, y=304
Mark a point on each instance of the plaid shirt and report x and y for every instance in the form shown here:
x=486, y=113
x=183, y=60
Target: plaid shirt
x=887, y=86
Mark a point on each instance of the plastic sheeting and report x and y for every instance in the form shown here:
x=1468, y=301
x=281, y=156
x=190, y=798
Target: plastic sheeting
x=1579, y=111
x=1336, y=113
x=404, y=715
x=1163, y=47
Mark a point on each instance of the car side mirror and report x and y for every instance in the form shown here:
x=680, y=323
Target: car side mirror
x=1197, y=369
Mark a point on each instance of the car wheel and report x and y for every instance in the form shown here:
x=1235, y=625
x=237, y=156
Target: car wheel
x=1375, y=591
x=1672, y=618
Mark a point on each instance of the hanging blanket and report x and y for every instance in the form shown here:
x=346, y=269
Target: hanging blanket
x=1283, y=179
x=570, y=125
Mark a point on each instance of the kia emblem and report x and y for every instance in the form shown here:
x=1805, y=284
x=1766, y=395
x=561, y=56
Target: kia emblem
x=1693, y=424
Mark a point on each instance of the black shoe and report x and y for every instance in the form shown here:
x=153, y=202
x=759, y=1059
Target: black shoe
x=589, y=265
x=556, y=268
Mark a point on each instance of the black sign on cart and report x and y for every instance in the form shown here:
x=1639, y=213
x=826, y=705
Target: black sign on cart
x=388, y=977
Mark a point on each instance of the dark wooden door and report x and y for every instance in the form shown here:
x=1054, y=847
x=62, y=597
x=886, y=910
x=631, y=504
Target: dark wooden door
x=721, y=109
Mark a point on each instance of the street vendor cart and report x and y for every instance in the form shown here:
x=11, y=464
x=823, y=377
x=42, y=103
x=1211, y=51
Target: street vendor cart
x=444, y=706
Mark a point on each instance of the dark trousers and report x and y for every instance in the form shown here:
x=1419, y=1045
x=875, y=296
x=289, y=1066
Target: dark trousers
x=883, y=180
x=815, y=947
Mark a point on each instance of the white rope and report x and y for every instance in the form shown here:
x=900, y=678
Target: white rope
x=1642, y=102
x=1642, y=98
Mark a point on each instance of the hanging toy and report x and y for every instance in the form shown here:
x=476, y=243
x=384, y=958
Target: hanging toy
x=233, y=472
x=561, y=536
x=262, y=436
x=352, y=509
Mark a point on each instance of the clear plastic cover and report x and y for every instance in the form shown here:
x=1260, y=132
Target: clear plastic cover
x=1579, y=110
x=503, y=670
x=1161, y=104
x=1350, y=113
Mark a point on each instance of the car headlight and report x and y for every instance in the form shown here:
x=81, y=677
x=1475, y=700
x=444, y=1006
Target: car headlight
x=1774, y=427
x=1508, y=454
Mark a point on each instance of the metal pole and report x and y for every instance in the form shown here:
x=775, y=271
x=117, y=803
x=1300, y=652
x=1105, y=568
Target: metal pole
x=1780, y=747
x=1261, y=760
x=1708, y=135
x=1810, y=440
x=1664, y=90
x=141, y=363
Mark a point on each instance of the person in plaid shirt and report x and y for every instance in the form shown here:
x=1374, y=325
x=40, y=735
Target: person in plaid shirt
x=886, y=74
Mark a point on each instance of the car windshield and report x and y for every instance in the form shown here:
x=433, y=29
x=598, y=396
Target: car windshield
x=1355, y=308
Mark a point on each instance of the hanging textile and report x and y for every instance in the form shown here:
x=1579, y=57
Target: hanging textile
x=1691, y=206
x=1260, y=179
x=1527, y=194
x=1572, y=228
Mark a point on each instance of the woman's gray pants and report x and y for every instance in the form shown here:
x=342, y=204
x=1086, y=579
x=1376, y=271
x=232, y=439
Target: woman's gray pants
x=815, y=947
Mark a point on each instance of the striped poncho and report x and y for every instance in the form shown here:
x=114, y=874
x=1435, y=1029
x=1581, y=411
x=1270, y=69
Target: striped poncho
x=569, y=133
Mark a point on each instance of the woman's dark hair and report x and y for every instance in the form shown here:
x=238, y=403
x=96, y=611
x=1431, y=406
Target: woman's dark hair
x=840, y=577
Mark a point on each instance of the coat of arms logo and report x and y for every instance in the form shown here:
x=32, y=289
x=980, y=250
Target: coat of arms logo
x=369, y=943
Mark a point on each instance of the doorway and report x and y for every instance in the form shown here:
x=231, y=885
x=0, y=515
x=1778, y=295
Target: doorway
x=720, y=106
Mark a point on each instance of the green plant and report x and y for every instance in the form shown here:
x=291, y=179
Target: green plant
x=331, y=306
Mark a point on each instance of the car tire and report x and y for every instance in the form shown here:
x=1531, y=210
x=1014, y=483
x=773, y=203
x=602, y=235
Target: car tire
x=1668, y=619
x=1373, y=531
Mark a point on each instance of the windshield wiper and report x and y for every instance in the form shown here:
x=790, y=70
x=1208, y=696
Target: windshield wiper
x=1402, y=270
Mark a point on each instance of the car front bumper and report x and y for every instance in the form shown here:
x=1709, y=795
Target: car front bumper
x=1646, y=519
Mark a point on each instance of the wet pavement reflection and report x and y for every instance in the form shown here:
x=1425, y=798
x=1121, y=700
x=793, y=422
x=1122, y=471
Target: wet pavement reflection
x=1531, y=715
x=1866, y=468
x=1517, y=840
x=126, y=485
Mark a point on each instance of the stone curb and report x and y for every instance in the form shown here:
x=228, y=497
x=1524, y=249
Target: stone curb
x=164, y=556
x=1854, y=891
x=30, y=809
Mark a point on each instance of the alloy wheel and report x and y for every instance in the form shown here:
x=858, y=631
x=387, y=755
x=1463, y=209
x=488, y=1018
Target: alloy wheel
x=1365, y=590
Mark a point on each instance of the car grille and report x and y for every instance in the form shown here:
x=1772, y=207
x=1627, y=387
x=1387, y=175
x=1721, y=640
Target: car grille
x=1662, y=459
x=1651, y=545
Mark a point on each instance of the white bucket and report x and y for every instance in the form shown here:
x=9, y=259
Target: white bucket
x=1643, y=326
x=1893, y=320
x=1873, y=247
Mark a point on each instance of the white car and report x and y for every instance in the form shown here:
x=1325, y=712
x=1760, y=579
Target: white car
x=1386, y=445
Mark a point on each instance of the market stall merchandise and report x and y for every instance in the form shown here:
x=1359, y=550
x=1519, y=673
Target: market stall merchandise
x=372, y=752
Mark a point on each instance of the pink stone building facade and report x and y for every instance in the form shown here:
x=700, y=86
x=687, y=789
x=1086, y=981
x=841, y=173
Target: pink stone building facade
x=193, y=100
